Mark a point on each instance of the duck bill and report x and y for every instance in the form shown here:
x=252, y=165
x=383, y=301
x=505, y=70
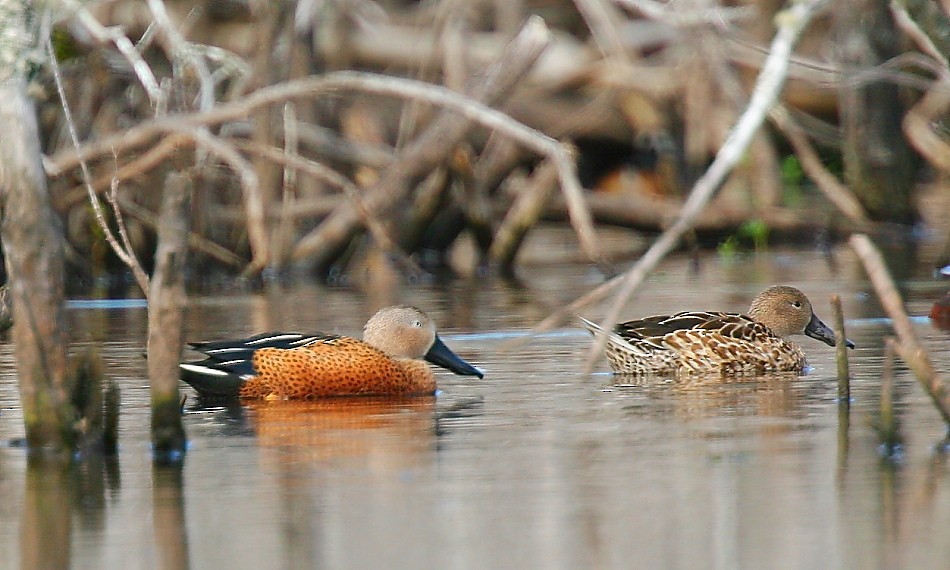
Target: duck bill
x=441, y=355
x=820, y=331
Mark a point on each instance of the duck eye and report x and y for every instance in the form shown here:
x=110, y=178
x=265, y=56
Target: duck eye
x=797, y=304
x=417, y=324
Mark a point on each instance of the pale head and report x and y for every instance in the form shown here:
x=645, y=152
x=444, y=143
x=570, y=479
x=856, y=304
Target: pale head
x=407, y=332
x=402, y=331
x=787, y=311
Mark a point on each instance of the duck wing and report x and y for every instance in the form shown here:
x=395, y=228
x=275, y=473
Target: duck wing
x=229, y=363
x=662, y=325
x=243, y=349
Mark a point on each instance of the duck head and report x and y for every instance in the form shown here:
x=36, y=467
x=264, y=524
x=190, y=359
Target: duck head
x=787, y=311
x=407, y=332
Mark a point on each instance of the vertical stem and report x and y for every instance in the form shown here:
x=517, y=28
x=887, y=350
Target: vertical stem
x=888, y=429
x=33, y=250
x=165, y=318
x=110, y=422
x=841, y=354
x=909, y=348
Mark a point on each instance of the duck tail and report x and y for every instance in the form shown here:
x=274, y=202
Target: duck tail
x=212, y=378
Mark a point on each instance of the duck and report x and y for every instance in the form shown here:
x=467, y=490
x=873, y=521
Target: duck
x=389, y=360
x=940, y=312
x=716, y=342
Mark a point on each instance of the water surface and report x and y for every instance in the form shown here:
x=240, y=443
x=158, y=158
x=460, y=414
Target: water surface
x=538, y=465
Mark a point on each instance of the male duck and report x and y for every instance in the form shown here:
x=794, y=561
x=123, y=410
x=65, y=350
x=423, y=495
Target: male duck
x=388, y=361
x=710, y=342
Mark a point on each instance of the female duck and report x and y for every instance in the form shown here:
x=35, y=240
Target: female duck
x=704, y=342
x=388, y=361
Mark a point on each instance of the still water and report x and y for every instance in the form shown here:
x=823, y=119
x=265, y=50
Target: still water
x=538, y=465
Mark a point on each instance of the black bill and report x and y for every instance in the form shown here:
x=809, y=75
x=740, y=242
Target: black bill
x=441, y=355
x=820, y=331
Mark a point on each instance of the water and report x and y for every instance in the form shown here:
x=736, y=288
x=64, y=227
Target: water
x=538, y=465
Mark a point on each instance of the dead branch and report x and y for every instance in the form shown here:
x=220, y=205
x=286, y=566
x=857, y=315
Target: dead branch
x=127, y=256
x=836, y=192
x=250, y=185
x=195, y=241
x=522, y=215
x=343, y=222
x=768, y=85
x=327, y=174
x=909, y=348
x=920, y=128
x=114, y=35
x=427, y=150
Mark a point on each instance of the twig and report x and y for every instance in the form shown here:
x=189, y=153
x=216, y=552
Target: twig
x=346, y=81
x=909, y=26
x=195, y=241
x=909, y=348
x=919, y=124
x=841, y=354
x=521, y=216
x=769, y=84
x=887, y=426
x=178, y=49
x=115, y=36
x=152, y=158
x=127, y=256
x=285, y=224
x=602, y=19
x=113, y=197
x=326, y=174
x=250, y=185
x=836, y=192
x=665, y=12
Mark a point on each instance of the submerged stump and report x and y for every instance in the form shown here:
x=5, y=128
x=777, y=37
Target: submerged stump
x=32, y=244
x=165, y=319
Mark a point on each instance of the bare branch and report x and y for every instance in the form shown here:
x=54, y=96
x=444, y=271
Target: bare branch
x=122, y=43
x=909, y=348
x=836, y=192
x=768, y=86
x=127, y=256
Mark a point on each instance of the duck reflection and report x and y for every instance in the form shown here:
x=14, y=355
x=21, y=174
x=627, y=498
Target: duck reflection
x=693, y=397
x=402, y=430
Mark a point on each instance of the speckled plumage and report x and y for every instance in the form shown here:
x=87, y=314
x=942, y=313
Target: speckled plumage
x=388, y=361
x=715, y=342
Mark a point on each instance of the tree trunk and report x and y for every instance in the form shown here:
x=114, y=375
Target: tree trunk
x=878, y=162
x=166, y=301
x=32, y=244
